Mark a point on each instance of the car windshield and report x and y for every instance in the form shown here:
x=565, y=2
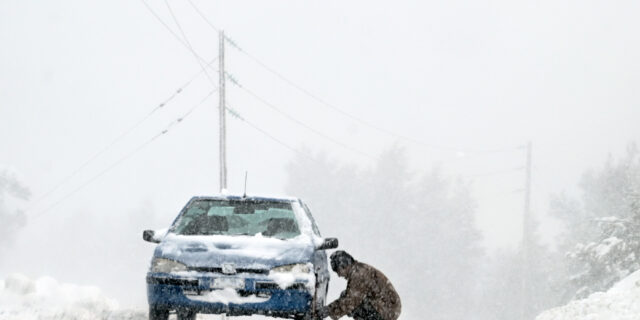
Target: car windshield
x=238, y=217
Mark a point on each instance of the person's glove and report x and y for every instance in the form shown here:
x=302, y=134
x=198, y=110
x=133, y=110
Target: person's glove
x=322, y=313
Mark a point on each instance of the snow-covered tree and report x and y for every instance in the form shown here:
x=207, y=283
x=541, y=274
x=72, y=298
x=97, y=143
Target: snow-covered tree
x=10, y=219
x=611, y=257
x=417, y=227
x=515, y=286
x=603, y=229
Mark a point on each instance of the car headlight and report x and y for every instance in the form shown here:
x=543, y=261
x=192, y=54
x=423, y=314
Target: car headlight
x=295, y=268
x=167, y=266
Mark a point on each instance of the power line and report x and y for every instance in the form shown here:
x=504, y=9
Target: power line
x=186, y=40
x=119, y=138
x=291, y=83
x=203, y=16
x=339, y=110
x=360, y=120
x=162, y=22
x=302, y=124
x=272, y=106
x=175, y=35
x=88, y=182
x=494, y=173
x=124, y=158
x=268, y=135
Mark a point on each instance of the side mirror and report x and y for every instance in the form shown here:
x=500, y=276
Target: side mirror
x=149, y=236
x=329, y=243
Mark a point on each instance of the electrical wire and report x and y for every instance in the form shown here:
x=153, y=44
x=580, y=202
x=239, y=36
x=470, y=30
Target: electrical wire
x=119, y=138
x=186, y=40
x=494, y=173
x=268, y=135
x=124, y=158
x=362, y=121
x=186, y=43
x=303, y=90
x=175, y=35
x=203, y=16
x=340, y=110
x=302, y=124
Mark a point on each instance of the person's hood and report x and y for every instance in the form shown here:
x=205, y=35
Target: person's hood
x=250, y=252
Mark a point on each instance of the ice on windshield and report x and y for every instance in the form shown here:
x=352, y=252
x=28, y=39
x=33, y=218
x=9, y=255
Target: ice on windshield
x=238, y=217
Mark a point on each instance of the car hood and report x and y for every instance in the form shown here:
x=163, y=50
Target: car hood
x=251, y=252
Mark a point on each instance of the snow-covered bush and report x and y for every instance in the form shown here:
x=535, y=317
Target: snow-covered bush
x=603, y=229
x=611, y=258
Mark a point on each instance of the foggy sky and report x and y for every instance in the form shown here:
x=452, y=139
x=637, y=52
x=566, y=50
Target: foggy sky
x=462, y=75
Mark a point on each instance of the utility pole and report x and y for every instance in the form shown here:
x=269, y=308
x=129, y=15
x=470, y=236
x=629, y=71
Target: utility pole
x=222, y=106
x=526, y=221
x=526, y=240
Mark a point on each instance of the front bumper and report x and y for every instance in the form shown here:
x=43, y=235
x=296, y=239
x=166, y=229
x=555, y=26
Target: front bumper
x=169, y=291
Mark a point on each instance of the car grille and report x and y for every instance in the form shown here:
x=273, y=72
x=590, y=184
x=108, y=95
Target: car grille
x=238, y=270
x=275, y=286
x=173, y=281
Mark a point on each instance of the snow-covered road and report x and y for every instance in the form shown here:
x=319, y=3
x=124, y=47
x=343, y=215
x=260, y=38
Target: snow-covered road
x=22, y=298
x=46, y=298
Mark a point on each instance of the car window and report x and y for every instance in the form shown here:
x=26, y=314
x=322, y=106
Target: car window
x=316, y=231
x=238, y=217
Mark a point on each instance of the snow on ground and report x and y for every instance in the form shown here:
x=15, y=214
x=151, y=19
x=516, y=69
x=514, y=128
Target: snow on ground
x=23, y=298
x=622, y=302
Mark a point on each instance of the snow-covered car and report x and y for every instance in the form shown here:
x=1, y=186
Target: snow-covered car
x=239, y=256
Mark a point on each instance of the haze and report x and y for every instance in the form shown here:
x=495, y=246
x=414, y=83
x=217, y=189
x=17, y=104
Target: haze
x=460, y=77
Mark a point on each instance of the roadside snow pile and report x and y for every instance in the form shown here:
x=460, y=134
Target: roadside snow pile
x=622, y=302
x=46, y=299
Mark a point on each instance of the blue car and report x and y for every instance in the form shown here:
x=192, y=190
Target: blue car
x=239, y=256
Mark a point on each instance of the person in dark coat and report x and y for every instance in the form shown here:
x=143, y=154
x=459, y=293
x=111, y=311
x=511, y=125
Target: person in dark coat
x=369, y=294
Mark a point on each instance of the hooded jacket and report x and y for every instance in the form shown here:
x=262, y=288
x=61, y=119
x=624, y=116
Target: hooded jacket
x=365, y=282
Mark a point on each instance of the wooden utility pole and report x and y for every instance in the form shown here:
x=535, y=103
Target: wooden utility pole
x=527, y=192
x=222, y=106
x=526, y=240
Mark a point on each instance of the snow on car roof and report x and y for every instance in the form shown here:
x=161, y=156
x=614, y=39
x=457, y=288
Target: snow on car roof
x=248, y=197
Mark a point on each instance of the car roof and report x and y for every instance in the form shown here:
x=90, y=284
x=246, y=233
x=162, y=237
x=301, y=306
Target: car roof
x=250, y=198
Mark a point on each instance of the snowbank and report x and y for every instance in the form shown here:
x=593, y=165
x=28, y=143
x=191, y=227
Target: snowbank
x=46, y=299
x=622, y=302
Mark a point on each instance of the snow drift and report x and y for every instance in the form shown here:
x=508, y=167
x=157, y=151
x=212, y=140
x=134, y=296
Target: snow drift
x=46, y=299
x=622, y=302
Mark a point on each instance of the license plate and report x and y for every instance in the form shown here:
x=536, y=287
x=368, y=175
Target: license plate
x=223, y=283
x=190, y=292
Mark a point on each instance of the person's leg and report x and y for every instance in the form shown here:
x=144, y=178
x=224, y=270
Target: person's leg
x=365, y=312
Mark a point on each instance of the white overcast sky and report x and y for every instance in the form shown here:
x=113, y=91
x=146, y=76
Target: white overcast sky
x=465, y=75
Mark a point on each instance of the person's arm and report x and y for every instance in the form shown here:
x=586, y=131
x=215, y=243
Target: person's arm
x=349, y=300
